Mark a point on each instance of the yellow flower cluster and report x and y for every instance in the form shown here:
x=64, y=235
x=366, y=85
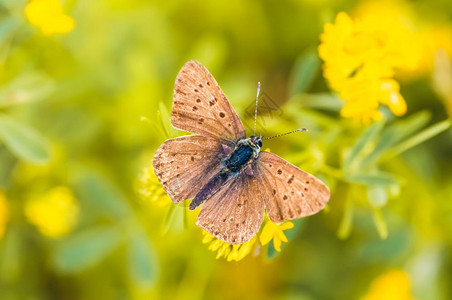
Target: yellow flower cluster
x=271, y=231
x=150, y=190
x=228, y=251
x=54, y=213
x=48, y=16
x=4, y=214
x=361, y=57
x=392, y=285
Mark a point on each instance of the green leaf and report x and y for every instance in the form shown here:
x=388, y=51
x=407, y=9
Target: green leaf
x=23, y=141
x=162, y=125
x=407, y=126
x=310, y=118
x=166, y=224
x=165, y=121
x=175, y=219
x=299, y=225
x=85, y=249
x=304, y=72
x=372, y=179
x=324, y=101
x=7, y=27
x=368, y=135
x=142, y=261
x=271, y=251
x=380, y=223
x=26, y=88
x=393, y=134
x=345, y=227
x=420, y=138
x=98, y=191
x=373, y=250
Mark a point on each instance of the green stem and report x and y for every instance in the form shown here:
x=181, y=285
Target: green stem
x=419, y=138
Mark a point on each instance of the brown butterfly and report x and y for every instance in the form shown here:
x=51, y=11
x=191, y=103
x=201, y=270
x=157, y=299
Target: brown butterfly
x=226, y=170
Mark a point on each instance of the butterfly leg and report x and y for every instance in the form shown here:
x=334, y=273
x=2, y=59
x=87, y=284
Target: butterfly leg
x=226, y=149
x=248, y=170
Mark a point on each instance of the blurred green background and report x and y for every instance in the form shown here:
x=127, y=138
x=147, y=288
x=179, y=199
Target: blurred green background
x=83, y=110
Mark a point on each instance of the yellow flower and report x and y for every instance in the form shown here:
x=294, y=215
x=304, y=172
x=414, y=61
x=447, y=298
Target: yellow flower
x=273, y=231
x=4, y=214
x=229, y=252
x=150, y=190
x=392, y=285
x=361, y=58
x=48, y=16
x=54, y=213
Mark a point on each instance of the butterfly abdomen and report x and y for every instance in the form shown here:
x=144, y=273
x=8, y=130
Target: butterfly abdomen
x=231, y=167
x=210, y=188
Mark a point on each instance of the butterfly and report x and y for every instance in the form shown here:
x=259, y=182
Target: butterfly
x=223, y=170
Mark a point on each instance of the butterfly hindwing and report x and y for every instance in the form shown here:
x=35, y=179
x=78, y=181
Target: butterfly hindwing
x=289, y=192
x=199, y=105
x=235, y=213
x=185, y=164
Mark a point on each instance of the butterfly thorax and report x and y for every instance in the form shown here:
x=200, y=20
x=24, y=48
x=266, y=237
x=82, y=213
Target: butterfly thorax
x=245, y=151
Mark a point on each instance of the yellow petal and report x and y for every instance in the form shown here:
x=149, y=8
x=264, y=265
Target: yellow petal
x=224, y=250
x=246, y=248
x=267, y=233
x=397, y=104
x=234, y=253
x=277, y=244
x=207, y=237
x=279, y=234
x=215, y=245
x=344, y=21
x=356, y=109
x=286, y=225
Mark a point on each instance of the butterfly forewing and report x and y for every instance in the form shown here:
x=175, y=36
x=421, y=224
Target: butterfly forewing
x=288, y=192
x=184, y=164
x=235, y=213
x=199, y=105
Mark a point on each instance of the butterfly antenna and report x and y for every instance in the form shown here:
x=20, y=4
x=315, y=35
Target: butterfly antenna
x=255, y=108
x=278, y=135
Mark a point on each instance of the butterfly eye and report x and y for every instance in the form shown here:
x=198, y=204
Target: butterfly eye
x=260, y=143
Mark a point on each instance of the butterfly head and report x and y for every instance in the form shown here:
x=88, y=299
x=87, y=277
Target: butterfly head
x=255, y=142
